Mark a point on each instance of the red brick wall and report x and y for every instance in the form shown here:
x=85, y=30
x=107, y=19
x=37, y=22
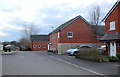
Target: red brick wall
x=108, y=48
x=82, y=33
x=41, y=43
x=114, y=16
x=119, y=18
x=55, y=40
x=118, y=47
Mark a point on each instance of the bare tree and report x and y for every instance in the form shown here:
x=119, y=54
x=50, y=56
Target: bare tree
x=24, y=44
x=30, y=29
x=95, y=18
x=95, y=15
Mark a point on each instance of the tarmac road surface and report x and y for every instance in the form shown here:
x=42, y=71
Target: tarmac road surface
x=45, y=63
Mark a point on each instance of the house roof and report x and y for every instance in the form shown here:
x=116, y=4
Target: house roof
x=67, y=23
x=111, y=36
x=39, y=38
x=111, y=10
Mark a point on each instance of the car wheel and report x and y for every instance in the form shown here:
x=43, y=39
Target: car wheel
x=75, y=53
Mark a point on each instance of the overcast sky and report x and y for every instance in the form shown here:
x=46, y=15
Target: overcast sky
x=45, y=13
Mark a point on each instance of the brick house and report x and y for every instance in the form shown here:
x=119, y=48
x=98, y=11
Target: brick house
x=112, y=35
x=72, y=33
x=39, y=42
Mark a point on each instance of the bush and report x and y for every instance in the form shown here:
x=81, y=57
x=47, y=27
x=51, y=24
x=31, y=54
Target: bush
x=105, y=59
x=113, y=59
x=88, y=54
x=118, y=55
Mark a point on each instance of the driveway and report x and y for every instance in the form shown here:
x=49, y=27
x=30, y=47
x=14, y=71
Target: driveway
x=45, y=63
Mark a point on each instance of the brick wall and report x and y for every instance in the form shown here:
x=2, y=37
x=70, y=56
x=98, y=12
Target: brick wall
x=114, y=16
x=82, y=33
x=119, y=18
x=43, y=45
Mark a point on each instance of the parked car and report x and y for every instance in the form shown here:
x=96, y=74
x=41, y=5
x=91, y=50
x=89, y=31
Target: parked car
x=74, y=51
x=85, y=46
x=102, y=49
x=7, y=48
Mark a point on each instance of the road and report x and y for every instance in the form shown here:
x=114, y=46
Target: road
x=45, y=63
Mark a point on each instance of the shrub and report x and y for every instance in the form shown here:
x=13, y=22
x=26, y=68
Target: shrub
x=118, y=55
x=105, y=59
x=113, y=59
x=88, y=53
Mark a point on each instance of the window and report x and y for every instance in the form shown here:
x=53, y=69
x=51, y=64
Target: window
x=70, y=34
x=44, y=46
x=112, y=44
x=34, y=46
x=53, y=36
x=39, y=46
x=112, y=25
x=58, y=34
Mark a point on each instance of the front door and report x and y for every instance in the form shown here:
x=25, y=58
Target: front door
x=112, y=48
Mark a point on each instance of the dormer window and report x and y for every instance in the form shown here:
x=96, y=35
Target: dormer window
x=112, y=25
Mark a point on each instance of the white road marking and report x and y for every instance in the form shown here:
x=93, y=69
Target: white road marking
x=77, y=66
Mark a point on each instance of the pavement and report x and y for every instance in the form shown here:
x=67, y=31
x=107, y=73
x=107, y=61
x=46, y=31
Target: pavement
x=46, y=63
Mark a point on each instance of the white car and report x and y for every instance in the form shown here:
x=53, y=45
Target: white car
x=102, y=48
x=72, y=51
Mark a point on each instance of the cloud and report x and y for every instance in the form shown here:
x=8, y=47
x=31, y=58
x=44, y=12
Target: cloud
x=3, y=34
x=46, y=13
x=14, y=27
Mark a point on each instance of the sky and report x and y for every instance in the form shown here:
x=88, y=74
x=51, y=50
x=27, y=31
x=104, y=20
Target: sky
x=44, y=13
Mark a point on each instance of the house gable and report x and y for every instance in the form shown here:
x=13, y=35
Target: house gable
x=82, y=32
x=113, y=16
x=61, y=27
x=111, y=10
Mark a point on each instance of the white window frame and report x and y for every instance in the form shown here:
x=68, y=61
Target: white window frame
x=53, y=36
x=58, y=35
x=34, y=46
x=70, y=36
x=39, y=46
x=112, y=25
